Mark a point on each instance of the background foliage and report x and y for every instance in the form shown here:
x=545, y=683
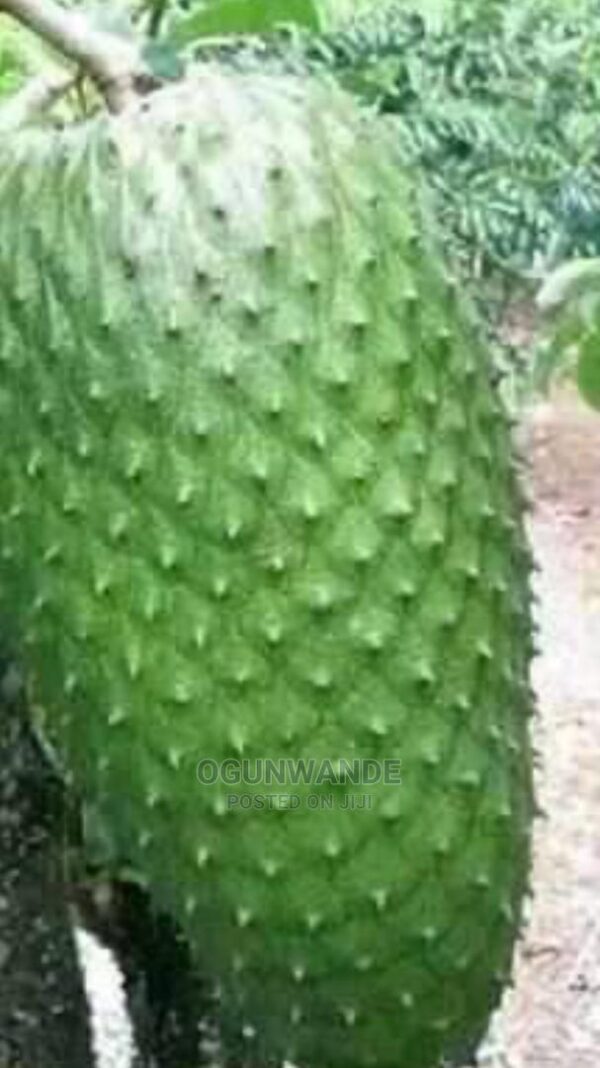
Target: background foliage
x=496, y=101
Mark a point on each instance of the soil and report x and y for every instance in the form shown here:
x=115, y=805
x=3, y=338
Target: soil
x=552, y=1017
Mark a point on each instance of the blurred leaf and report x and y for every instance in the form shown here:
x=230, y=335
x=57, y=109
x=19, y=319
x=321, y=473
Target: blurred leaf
x=221, y=17
x=336, y=13
x=588, y=368
x=23, y=55
x=572, y=282
x=570, y=297
x=163, y=60
x=116, y=16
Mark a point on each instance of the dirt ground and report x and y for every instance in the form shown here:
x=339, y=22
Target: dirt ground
x=552, y=1017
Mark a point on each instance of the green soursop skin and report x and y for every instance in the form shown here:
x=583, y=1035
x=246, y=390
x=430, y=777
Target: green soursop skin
x=257, y=500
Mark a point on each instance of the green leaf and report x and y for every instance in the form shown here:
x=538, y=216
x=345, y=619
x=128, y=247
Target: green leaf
x=588, y=369
x=221, y=17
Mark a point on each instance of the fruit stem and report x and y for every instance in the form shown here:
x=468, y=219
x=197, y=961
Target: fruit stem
x=112, y=62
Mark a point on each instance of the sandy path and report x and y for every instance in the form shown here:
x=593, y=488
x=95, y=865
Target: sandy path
x=552, y=1018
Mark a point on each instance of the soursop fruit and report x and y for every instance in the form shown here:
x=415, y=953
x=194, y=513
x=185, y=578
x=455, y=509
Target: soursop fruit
x=257, y=501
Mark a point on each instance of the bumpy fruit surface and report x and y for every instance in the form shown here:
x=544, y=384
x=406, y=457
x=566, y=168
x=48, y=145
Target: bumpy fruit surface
x=256, y=500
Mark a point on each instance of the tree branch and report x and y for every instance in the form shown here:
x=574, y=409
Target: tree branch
x=112, y=62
